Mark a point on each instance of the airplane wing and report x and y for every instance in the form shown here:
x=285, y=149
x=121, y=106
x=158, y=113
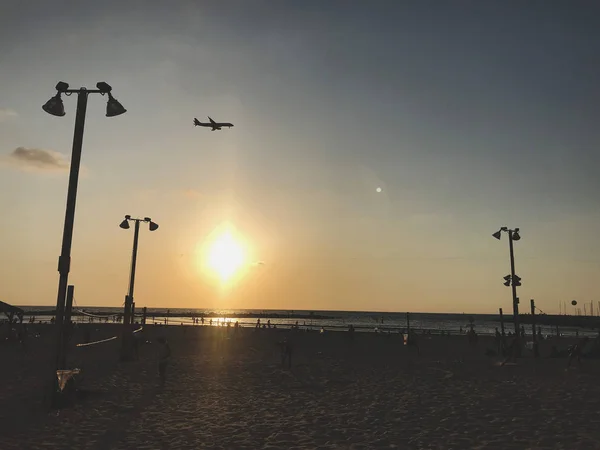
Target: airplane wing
x=211, y=121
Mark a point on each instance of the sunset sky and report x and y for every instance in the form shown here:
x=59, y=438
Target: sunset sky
x=468, y=118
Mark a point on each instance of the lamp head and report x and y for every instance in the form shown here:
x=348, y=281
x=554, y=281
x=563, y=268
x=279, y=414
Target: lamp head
x=497, y=234
x=153, y=226
x=61, y=86
x=113, y=107
x=515, y=235
x=507, y=278
x=506, y=283
x=147, y=219
x=104, y=87
x=55, y=106
x=125, y=223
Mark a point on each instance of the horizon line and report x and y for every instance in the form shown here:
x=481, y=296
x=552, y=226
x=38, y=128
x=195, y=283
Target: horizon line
x=275, y=310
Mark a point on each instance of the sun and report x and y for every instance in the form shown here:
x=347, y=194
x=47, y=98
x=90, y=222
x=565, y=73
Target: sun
x=225, y=256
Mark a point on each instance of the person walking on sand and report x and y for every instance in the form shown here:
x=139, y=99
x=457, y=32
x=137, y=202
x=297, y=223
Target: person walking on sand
x=512, y=351
x=575, y=351
x=286, y=353
x=164, y=353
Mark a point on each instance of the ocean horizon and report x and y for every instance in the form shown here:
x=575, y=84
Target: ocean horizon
x=314, y=319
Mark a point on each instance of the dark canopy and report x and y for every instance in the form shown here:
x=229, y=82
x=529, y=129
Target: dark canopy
x=11, y=311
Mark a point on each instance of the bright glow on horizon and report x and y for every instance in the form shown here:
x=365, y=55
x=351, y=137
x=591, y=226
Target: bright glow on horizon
x=225, y=256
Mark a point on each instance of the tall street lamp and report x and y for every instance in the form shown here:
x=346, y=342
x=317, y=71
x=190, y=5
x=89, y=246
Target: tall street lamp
x=127, y=313
x=55, y=107
x=512, y=280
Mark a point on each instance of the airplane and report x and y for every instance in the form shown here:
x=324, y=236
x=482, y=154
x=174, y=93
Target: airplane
x=214, y=125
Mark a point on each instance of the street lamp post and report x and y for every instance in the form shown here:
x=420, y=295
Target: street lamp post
x=512, y=280
x=127, y=313
x=55, y=107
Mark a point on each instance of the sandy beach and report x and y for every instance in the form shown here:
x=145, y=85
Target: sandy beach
x=227, y=389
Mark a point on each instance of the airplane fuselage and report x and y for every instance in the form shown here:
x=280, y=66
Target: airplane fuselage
x=213, y=125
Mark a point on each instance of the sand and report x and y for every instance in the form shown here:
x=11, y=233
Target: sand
x=228, y=390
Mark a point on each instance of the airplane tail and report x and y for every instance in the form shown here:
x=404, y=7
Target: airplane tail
x=196, y=122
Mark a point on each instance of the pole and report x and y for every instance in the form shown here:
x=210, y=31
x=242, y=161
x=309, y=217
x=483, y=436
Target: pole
x=502, y=322
x=69, y=305
x=129, y=298
x=66, y=334
x=514, y=288
x=144, y=316
x=128, y=313
x=64, y=261
x=535, y=342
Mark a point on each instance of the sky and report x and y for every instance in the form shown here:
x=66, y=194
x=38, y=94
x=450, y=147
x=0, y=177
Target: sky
x=469, y=116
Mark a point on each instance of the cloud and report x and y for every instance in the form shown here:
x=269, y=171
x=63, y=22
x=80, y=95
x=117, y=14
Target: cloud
x=36, y=159
x=7, y=113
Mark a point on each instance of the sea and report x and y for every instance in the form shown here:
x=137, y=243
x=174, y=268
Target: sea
x=436, y=323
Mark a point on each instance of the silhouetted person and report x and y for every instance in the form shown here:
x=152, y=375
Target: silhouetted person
x=286, y=353
x=522, y=332
x=164, y=353
x=512, y=351
x=472, y=336
x=575, y=351
x=413, y=341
